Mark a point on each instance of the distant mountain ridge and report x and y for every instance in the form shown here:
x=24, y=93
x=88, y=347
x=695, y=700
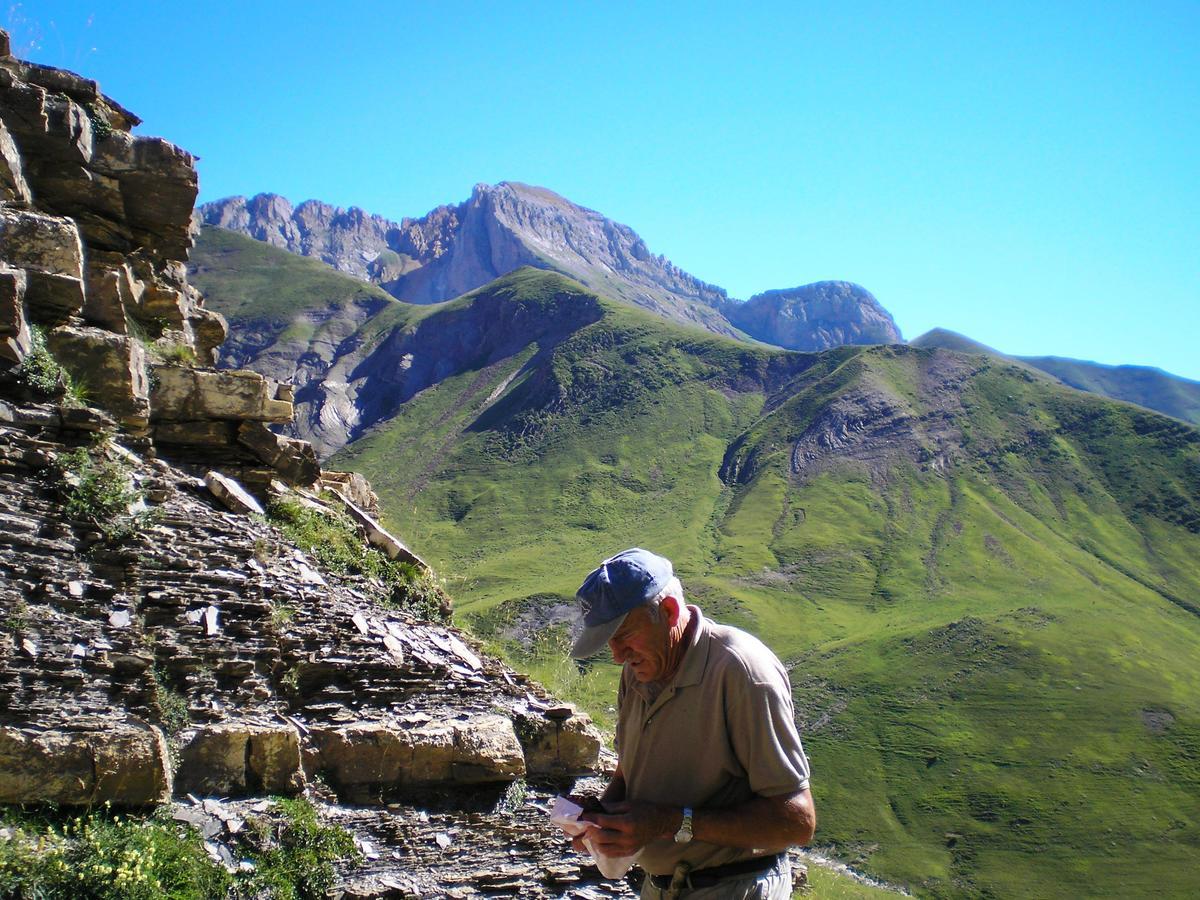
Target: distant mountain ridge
x=1145, y=386
x=457, y=248
x=815, y=317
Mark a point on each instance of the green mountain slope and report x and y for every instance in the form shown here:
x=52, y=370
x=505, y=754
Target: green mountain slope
x=984, y=583
x=255, y=281
x=276, y=302
x=1145, y=386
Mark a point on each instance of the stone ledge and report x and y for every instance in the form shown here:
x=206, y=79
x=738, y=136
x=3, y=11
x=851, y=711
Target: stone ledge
x=238, y=759
x=182, y=394
x=559, y=742
x=124, y=763
x=382, y=757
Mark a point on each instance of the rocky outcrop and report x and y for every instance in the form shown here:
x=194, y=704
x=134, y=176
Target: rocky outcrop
x=282, y=675
x=97, y=218
x=94, y=235
x=160, y=641
x=205, y=656
x=97, y=221
x=815, y=317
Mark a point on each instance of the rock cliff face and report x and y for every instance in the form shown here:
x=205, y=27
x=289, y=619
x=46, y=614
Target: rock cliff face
x=455, y=249
x=816, y=317
x=159, y=639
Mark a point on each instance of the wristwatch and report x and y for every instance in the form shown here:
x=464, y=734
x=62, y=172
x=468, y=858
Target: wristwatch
x=684, y=834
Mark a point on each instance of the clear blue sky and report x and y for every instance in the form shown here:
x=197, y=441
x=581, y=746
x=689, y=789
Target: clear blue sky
x=1027, y=174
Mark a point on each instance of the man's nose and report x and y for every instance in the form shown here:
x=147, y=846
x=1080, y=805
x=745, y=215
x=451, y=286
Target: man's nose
x=618, y=650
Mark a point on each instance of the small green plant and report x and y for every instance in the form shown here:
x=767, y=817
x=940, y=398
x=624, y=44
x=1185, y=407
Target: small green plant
x=281, y=614
x=17, y=619
x=514, y=796
x=77, y=393
x=172, y=705
x=295, y=856
x=40, y=372
x=105, y=855
x=100, y=490
x=100, y=127
x=178, y=354
x=161, y=349
x=339, y=547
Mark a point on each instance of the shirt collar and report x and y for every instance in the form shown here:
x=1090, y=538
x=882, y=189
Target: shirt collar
x=695, y=660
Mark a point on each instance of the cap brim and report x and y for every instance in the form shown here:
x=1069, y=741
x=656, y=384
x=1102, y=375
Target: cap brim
x=594, y=638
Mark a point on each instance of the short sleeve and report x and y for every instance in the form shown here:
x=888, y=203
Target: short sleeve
x=762, y=730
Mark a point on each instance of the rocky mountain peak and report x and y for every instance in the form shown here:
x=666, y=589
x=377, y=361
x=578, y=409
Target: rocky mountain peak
x=816, y=316
x=459, y=247
x=501, y=227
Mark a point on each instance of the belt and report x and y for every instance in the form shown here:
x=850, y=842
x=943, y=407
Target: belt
x=703, y=878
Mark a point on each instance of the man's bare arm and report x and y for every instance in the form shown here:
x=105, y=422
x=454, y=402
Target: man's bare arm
x=762, y=823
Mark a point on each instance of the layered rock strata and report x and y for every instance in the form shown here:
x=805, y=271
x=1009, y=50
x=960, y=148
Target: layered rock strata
x=206, y=656
x=94, y=237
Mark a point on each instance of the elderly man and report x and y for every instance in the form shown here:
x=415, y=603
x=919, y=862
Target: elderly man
x=711, y=786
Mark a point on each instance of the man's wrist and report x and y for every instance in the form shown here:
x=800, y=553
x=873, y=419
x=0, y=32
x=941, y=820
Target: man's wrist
x=672, y=821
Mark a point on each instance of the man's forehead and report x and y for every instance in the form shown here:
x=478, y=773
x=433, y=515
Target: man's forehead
x=634, y=621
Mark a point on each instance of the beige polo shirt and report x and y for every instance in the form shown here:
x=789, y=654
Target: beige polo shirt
x=721, y=732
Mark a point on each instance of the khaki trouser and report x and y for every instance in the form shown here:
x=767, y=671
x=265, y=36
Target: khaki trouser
x=774, y=884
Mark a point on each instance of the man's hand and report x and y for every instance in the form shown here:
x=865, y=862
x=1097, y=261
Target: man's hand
x=629, y=825
x=587, y=802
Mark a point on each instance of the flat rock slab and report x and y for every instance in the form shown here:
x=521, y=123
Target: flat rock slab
x=476, y=750
x=125, y=763
x=236, y=759
x=233, y=495
x=182, y=394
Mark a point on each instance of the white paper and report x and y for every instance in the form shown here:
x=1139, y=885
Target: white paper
x=565, y=815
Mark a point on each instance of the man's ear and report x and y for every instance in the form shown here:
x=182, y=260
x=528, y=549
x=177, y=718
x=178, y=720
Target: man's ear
x=670, y=606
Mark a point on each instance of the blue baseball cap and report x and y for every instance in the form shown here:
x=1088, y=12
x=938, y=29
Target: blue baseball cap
x=622, y=583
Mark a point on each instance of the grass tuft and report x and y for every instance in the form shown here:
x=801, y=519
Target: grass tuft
x=339, y=546
x=40, y=372
x=100, y=490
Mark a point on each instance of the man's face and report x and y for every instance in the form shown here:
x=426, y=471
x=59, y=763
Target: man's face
x=642, y=643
